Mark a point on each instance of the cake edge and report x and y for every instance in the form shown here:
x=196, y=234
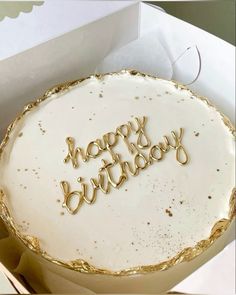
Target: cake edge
x=80, y=265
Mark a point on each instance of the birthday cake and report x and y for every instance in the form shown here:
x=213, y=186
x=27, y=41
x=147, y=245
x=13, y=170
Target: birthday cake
x=117, y=176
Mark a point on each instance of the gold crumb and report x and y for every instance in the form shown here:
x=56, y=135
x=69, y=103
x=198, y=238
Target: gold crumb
x=169, y=212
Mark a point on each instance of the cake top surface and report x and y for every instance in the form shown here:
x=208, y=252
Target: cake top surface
x=119, y=171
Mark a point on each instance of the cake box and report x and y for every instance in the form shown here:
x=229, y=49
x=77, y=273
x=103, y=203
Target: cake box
x=182, y=44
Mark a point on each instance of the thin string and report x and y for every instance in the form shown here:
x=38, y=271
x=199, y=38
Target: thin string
x=199, y=60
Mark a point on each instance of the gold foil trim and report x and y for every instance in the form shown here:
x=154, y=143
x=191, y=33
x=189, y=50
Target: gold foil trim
x=82, y=266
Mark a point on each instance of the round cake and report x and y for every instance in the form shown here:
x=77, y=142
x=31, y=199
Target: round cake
x=116, y=178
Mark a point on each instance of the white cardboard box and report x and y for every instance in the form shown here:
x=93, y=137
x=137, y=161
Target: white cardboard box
x=5, y=286
x=216, y=277
x=66, y=49
x=70, y=55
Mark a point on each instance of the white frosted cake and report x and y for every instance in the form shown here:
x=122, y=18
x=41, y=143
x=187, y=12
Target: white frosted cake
x=114, y=180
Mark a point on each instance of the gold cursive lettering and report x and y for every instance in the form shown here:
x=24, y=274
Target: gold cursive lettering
x=73, y=153
x=106, y=178
x=124, y=132
x=107, y=168
x=68, y=198
x=142, y=141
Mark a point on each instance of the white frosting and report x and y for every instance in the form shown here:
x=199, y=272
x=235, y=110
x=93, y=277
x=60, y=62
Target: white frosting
x=129, y=226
